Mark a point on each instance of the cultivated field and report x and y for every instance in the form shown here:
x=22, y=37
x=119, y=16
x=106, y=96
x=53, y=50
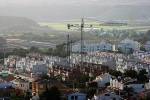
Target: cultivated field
x=63, y=26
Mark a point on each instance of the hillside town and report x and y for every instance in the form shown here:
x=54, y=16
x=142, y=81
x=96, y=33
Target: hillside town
x=74, y=50
x=109, y=72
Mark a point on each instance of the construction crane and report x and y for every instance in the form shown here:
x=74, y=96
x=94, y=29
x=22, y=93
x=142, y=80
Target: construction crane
x=69, y=48
x=82, y=26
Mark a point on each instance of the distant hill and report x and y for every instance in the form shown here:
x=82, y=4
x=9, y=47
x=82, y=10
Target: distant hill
x=20, y=25
x=60, y=12
x=101, y=12
x=133, y=14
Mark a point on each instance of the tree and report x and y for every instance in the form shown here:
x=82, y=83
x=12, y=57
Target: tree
x=131, y=73
x=51, y=94
x=142, y=76
x=142, y=48
x=143, y=72
x=50, y=51
x=129, y=90
x=91, y=89
x=93, y=85
x=107, y=84
x=143, y=38
x=20, y=52
x=115, y=73
x=60, y=50
x=45, y=77
x=27, y=95
x=34, y=49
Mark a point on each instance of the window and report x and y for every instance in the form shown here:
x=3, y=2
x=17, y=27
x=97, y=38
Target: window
x=76, y=97
x=41, y=86
x=72, y=97
x=107, y=94
x=22, y=85
x=114, y=98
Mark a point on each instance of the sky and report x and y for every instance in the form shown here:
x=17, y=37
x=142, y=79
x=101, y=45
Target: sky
x=49, y=10
x=7, y=3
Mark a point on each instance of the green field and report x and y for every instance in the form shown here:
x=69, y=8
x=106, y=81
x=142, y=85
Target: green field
x=55, y=26
x=63, y=26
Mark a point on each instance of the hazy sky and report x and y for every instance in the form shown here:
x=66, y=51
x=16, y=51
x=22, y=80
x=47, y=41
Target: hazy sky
x=74, y=2
x=50, y=10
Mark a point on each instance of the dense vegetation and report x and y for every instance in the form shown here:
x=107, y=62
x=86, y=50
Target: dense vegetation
x=141, y=76
x=60, y=51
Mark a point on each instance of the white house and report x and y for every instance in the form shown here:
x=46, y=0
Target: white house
x=40, y=68
x=20, y=65
x=128, y=45
x=92, y=47
x=77, y=96
x=115, y=84
x=147, y=46
x=103, y=79
x=104, y=58
x=147, y=85
x=120, y=64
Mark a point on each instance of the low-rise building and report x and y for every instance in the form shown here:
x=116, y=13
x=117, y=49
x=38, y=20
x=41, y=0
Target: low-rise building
x=40, y=68
x=20, y=65
x=147, y=46
x=77, y=96
x=107, y=96
x=137, y=88
x=128, y=46
x=6, y=89
x=116, y=84
x=92, y=47
x=21, y=84
x=41, y=85
x=103, y=79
